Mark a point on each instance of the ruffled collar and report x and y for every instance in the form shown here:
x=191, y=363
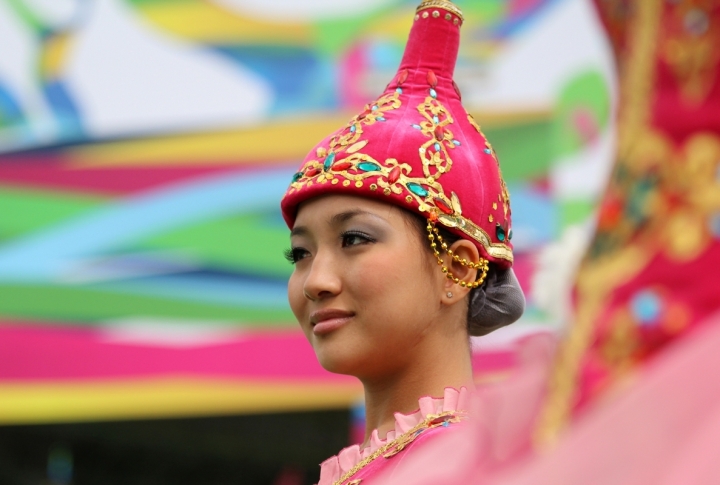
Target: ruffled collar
x=334, y=468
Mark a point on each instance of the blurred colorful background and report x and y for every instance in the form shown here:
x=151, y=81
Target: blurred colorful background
x=144, y=147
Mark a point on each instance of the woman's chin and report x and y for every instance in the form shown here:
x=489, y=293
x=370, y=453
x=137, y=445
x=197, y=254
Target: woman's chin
x=336, y=366
x=336, y=362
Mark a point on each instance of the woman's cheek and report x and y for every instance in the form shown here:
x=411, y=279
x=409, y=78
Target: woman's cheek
x=296, y=298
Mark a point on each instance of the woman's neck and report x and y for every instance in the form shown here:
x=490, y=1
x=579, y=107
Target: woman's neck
x=400, y=392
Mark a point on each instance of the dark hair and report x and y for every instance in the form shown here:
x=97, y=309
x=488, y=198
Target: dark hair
x=498, y=302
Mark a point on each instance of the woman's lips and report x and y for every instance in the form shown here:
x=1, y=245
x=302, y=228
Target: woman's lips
x=326, y=321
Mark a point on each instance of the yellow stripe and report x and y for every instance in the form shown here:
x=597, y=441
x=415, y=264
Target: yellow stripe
x=161, y=398
x=208, y=23
x=280, y=141
x=54, y=54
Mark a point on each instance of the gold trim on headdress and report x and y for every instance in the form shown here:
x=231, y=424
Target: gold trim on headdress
x=444, y=4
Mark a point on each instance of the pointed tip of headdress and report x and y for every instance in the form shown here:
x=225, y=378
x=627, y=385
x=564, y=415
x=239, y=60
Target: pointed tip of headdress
x=434, y=39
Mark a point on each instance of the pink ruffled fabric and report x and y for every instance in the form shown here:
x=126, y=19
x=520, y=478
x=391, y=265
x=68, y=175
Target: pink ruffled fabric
x=332, y=469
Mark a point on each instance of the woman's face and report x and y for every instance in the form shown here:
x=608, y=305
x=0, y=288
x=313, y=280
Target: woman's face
x=364, y=288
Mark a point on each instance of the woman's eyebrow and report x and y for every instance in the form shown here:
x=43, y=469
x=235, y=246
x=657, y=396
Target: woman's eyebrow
x=345, y=216
x=299, y=231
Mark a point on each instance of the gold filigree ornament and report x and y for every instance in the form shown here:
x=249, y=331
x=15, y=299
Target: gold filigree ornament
x=689, y=47
x=395, y=177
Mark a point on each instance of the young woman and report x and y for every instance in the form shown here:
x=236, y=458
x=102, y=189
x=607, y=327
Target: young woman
x=401, y=230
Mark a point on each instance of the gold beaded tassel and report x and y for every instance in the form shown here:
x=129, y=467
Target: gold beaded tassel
x=482, y=265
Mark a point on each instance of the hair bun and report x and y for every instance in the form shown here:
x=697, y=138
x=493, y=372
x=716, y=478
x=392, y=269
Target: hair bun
x=496, y=304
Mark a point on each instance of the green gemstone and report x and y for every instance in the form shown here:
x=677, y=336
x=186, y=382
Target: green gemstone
x=500, y=232
x=510, y=235
x=329, y=161
x=417, y=189
x=369, y=167
x=297, y=176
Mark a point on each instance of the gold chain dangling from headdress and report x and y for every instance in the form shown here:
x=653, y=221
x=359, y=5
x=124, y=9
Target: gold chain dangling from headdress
x=482, y=265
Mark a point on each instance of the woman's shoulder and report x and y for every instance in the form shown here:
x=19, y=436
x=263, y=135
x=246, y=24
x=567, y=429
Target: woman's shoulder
x=434, y=416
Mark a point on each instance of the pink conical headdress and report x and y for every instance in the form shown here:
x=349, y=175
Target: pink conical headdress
x=417, y=147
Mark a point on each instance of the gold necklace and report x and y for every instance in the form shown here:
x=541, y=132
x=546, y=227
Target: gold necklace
x=392, y=448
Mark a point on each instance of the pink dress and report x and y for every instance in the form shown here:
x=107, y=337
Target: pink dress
x=435, y=417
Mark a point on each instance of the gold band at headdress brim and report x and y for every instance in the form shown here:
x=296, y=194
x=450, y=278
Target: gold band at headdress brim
x=499, y=251
x=444, y=4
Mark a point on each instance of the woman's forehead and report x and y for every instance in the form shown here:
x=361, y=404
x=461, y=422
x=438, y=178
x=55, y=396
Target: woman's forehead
x=325, y=208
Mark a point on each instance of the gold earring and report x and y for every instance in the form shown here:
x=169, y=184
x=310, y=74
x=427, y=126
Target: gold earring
x=482, y=265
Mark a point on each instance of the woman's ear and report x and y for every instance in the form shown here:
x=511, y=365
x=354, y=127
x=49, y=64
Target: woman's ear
x=466, y=252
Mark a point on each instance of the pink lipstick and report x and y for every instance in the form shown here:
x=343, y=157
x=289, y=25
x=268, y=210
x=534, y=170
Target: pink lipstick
x=329, y=320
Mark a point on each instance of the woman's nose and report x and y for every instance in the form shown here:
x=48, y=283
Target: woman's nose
x=324, y=278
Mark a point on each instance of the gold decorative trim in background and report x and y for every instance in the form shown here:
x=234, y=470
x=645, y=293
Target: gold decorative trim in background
x=597, y=279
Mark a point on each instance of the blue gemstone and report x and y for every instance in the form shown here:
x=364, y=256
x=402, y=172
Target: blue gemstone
x=369, y=167
x=500, y=233
x=446, y=424
x=488, y=151
x=380, y=118
x=398, y=90
x=297, y=176
x=456, y=143
x=437, y=147
x=433, y=93
x=417, y=189
x=329, y=161
x=353, y=129
x=436, y=119
x=417, y=127
x=374, y=108
x=647, y=306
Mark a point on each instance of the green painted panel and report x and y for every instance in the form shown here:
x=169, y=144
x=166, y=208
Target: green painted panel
x=23, y=210
x=87, y=306
x=576, y=211
x=252, y=243
x=525, y=150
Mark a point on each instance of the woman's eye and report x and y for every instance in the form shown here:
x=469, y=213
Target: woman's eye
x=293, y=255
x=355, y=239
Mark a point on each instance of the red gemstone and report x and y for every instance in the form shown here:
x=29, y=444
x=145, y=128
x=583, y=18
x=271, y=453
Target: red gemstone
x=402, y=77
x=432, y=79
x=439, y=133
x=364, y=114
x=340, y=166
x=457, y=90
x=394, y=175
x=443, y=206
x=312, y=172
x=439, y=420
